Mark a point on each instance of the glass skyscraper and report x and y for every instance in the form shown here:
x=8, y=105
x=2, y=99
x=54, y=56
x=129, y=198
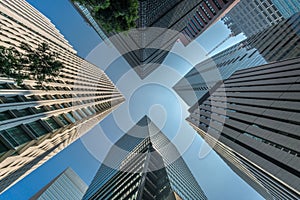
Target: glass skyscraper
x=67, y=185
x=149, y=164
x=252, y=16
x=278, y=42
x=287, y=7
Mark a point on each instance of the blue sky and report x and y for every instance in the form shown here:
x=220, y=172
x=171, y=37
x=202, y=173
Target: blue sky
x=153, y=96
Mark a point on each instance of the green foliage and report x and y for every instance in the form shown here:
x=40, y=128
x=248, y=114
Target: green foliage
x=12, y=64
x=39, y=63
x=114, y=15
x=42, y=62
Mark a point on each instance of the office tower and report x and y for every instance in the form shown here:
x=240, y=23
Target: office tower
x=287, y=8
x=140, y=176
x=278, y=42
x=201, y=17
x=145, y=49
x=67, y=185
x=164, y=171
x=38, y=122
x=252, y=122
x=252, y=16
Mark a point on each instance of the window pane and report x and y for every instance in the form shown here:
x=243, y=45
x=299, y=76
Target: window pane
x=70, y=116
x=4, y=116
x=63, y=120
x=40, y=109
x=37, y=128
x=16, y=136
x=11, y=99
x=52, y=123
x=3, y=148
x=22, y=112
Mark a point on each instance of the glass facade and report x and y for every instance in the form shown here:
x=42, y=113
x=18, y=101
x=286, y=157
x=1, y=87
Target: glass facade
x=278, y=42
x=68, y=185
x=146, y=134
x=287, y=8
x=252, y=16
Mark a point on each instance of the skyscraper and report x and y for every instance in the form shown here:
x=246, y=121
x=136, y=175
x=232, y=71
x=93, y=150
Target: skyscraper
x=252, y=122
x=148, y=164
x=145, y=49
x=38, y=122
x=252, y=16
x=278, y=42
x=67, y=185
x=287, y=8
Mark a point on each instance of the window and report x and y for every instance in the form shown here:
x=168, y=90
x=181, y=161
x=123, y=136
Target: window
x=70, y=116
x=3, y=148
x=81, y=113
x=12, y=99
x=22, y=112
x=51, y=107
x=63, y=120
x=16, y=136
x=37, y=128
x=86, y=111
x=92, y=110
x=30, y=98
x=52, y=123
x=77, y=115
x=5, y=116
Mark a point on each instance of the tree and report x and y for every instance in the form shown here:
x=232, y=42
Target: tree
x=5, y=66
x=13, y=63
x=114, y=15
x=39, y=64
x=42, y=62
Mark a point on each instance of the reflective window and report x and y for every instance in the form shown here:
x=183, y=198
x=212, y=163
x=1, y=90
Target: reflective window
x=52, y=123
x=3, y=148
x=37, y=128
x=16, y=136
x=5, y=116
x=62, y=119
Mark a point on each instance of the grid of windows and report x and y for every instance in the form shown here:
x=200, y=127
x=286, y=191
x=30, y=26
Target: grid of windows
x=204, y=14
x=278, y=42
x=252, y=16
x=255, y=114
x=31, y=116
x=179, y=176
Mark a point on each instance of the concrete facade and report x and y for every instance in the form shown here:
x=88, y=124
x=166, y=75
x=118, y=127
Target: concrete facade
x=38, y=122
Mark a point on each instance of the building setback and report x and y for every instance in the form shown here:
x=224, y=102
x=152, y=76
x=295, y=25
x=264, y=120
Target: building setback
x=145, y=49
x=252, y=122
x=278, y=42
x=38, y=122
x=67, y=185
x=149, y=166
